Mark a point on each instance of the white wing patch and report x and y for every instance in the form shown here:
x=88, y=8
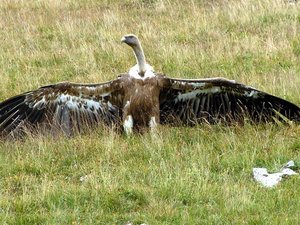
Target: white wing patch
x=200, y=89
x=39, y=104
x=74, y=102
x=252, y=94
x=193, y=94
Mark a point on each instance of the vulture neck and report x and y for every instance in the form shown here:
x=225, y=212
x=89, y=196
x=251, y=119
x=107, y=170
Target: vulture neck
x=140, y=58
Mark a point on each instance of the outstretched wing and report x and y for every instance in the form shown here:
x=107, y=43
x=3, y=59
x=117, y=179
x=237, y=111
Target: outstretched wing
x=218, y=99
x=65, y=106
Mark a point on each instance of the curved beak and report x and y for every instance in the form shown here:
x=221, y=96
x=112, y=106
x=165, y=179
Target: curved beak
x=123, y=40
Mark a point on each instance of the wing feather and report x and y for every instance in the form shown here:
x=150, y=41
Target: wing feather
x=219, y=99
x=66, y=106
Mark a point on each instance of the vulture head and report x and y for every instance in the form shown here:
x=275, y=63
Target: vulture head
x=131, y=40
x=141, y=69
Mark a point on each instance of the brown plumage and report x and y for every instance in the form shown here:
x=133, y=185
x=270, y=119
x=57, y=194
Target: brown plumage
x=138, y=99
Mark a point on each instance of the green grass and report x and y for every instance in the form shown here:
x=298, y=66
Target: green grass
x=199, y=175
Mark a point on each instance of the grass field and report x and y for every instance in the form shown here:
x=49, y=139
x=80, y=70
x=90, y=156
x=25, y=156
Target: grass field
x=199, y=175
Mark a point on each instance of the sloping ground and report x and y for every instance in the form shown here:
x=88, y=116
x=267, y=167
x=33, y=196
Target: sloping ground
x=199, y=175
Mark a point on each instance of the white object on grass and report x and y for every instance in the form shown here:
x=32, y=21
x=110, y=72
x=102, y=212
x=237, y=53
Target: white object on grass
x=269, y=180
